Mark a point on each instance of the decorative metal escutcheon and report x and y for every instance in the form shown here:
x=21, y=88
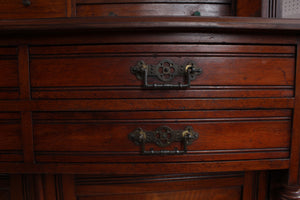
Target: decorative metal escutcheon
x=26, y=2
x=163, y=136
x=165, y=72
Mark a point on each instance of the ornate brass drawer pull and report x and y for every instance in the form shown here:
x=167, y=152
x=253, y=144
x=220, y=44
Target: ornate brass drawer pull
x=163, y=136
x=165, y=72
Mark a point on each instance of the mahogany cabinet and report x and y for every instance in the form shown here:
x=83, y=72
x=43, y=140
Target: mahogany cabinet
x=146, y=100
x=149, y=108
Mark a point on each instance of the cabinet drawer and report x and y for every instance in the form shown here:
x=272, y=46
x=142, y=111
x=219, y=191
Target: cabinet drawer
x=9, y=88
x=16, y=9
x=104, y=71
x=106, y=136
x=154, y=8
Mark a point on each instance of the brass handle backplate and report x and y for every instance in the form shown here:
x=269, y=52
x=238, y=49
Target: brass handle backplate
x=26, y=2
x=165, y=72
x=163, y=136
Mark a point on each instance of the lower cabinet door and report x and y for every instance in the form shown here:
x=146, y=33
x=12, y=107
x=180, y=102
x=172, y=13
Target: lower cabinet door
x=202, y=186
x=175, y=187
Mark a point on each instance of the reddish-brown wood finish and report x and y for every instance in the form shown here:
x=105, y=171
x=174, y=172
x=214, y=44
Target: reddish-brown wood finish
x=23, y=69
x=69, y=101
x=215, y=136
x=15, y=9
x=177, y=187
x=180, y=24
x=10, y=137
x=4, y=187
x=294, y=168
x=9, y=88
x=220, y=68
x=154, y=8
x=249, y=8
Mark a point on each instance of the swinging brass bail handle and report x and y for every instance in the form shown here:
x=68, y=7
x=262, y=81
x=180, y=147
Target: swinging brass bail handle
x=26, y=2
x=163, y=137
x=165, y=74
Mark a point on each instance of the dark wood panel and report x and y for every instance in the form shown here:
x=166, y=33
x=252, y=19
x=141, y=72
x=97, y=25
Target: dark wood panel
x=9, y=73
x=11, y=156
x=94, y=184
x=8, y=51
x=4, y=187
x=23, y=69
x=206, y=186
x=27, y=136
x=9, y=93
x=4, y=195
x=153, y=9
x=14, y=9
x=10, y=136
x=10, y=116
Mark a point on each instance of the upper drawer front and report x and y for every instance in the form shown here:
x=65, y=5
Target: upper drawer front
x=107, y=136
x=9, y=88
x=154, y=8
x=24, y=9
x=104, y=71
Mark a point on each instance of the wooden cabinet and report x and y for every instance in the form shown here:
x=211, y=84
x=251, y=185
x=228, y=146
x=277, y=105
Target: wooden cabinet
x=113, y=103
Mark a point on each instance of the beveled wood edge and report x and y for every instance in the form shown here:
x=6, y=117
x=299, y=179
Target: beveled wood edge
x=145, y=104
x=150, y=23
x=144, y=168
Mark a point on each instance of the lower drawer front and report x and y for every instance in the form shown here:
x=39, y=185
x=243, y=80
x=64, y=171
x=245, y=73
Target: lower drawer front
x=104, y=136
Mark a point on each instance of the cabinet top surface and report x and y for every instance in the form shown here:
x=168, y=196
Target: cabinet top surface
x=151, y=23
